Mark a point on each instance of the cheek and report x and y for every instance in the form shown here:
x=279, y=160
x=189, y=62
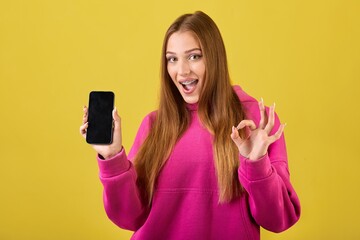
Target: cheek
x=171, y=72
x=199, y=67
x=201, y=71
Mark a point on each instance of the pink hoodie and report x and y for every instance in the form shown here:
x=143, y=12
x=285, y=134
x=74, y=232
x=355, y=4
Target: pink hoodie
x=185, y=202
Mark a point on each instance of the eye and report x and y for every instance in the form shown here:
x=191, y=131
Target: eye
x=195, y=56
x=171, y=59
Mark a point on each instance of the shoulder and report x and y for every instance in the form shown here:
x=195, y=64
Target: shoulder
x=243, y=96
x=251, y=107
x=147, y=122
x=249, y=103
x=150, y=117
x=142, y=133
x=145, y=126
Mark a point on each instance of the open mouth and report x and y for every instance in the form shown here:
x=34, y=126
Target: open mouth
x=189, y=85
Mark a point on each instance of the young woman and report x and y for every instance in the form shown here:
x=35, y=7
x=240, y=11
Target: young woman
x=190, y=173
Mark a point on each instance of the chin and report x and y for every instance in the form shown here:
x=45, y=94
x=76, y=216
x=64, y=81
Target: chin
x=191, y=100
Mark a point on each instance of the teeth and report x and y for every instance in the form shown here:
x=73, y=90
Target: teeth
x=188, y=82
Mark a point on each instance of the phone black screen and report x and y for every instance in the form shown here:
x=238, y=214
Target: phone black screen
x=100, y=129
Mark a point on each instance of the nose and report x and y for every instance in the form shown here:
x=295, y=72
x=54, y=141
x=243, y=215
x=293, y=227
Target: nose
x=184, y=68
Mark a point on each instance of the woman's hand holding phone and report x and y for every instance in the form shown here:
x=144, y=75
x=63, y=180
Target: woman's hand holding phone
x=105, y=150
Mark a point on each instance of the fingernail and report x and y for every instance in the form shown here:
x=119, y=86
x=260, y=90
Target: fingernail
x=261, y=99
x=285, y=124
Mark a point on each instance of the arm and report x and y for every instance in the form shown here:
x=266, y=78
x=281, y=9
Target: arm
x=122, y=200
x=273, y=201
x=121, y=195
x=264, y=171
x=117, y=173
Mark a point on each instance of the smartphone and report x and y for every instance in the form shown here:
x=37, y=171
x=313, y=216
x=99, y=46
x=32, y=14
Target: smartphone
x=100, y=128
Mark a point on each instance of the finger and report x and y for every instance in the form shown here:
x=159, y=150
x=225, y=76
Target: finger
x=271, y=119
x=246, y=123
x=262, y=114
x=116, y=118
x=117, y=130
x=278, y=133
x=115, y=115
x=83, y=129
x=236, y=137
x=85, y=116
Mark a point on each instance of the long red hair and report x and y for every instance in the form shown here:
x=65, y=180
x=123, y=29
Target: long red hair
x=218, y=108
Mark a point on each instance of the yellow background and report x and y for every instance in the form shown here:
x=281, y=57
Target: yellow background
x=302, y=54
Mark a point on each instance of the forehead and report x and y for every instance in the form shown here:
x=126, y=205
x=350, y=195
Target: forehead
x=182, y=41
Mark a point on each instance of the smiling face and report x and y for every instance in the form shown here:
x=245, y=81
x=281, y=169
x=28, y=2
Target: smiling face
x=186, y=64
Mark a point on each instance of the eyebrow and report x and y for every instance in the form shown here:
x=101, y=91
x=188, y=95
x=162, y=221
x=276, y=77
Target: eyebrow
x=187, y=51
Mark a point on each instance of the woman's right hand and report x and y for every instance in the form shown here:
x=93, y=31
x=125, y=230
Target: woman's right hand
x=109, y=150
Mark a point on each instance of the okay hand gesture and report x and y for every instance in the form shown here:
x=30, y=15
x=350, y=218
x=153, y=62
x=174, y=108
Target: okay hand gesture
x=257, y=140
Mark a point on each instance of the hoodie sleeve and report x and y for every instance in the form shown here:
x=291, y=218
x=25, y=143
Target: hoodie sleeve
x=121, y=195
x=273, y=201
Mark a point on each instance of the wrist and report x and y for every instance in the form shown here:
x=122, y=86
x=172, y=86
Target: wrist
x=111, y=154
x=255, y=170
x=256, y=157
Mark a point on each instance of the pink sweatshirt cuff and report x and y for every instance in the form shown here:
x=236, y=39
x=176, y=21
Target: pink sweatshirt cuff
x=113, y=166
x=255, y=170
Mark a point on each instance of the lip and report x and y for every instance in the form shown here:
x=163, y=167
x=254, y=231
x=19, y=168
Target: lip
x=188, y=91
